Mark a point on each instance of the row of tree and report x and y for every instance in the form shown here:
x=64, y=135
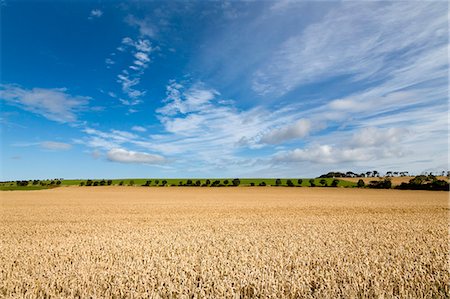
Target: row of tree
x=423, y=182
x=38, y=182
x=375, y=173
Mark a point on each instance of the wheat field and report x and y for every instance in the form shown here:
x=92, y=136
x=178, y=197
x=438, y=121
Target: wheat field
x=131, y=242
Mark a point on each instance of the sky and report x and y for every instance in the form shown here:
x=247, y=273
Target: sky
x=111, y=89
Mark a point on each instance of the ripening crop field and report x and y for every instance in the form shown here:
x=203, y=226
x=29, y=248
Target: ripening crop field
x=135, y=242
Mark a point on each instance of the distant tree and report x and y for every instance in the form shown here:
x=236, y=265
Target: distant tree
x=236, y=182
x=58, y=182
x=323, y=182
x=334, y=183
x=102, y=183
x=289, y=183
x=109, y=182
x=277, y=182
x=207, y=182
x=360, y=183
x=380, y=184
x=164, y=182
x=198, y=183
x=389, y=173
x=299, y=182
x=189, y=183
x=89, y=183
x=147, y=183
x=311, y=182
x=226, y=182
x=369, y=173
x=95, y=183
x=81, y=184
x=35, y=182
x=156, y=182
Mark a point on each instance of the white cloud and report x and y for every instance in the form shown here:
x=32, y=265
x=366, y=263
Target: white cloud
x=109, y=61
x=54, y=104
x=327, y=154
x=145, y=27
x=56, y=146
x=299, y=129
x=196, y=98
x=142, y=57
x=138, y=129
x=131, y=76
x=366, y=144
x=95, y=13
x=125, y=156
x=373, y=136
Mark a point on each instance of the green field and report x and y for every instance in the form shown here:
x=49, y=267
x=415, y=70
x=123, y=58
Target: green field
x=157, y=182
x=8, y=187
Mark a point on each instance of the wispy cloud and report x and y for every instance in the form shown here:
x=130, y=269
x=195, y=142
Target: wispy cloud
x=130, y=77
x=299, y=129
x=95, y=13
x=54, y=104
x=365, y=145
x=55, y=146
x=125, y=156
x=139, y=129
x=367, y=45
x=145, y=27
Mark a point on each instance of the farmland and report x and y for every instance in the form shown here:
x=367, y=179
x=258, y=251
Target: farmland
x=224, y=242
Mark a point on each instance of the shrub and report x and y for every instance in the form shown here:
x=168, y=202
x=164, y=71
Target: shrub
x=121, y=183
x=334, y=183
x=311, y=183
x=131, y=183
x=299, y=182
x=81, y=184
x=109, y=182
x=277, y=182
x=236, y=182
x=360, y=183
x=289, y=183
x=262, y=184
x=381, y=184
x=323, y=182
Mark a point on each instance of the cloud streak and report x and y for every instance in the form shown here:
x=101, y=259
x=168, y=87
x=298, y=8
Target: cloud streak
x=54, y=104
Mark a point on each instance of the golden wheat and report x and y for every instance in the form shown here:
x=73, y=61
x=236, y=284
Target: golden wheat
x=269, y=242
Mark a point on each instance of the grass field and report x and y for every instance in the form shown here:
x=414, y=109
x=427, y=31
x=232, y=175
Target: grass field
x=140, y=181
x=224, y=243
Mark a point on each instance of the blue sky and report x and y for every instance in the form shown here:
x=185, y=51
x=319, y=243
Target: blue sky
x=109, y=89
